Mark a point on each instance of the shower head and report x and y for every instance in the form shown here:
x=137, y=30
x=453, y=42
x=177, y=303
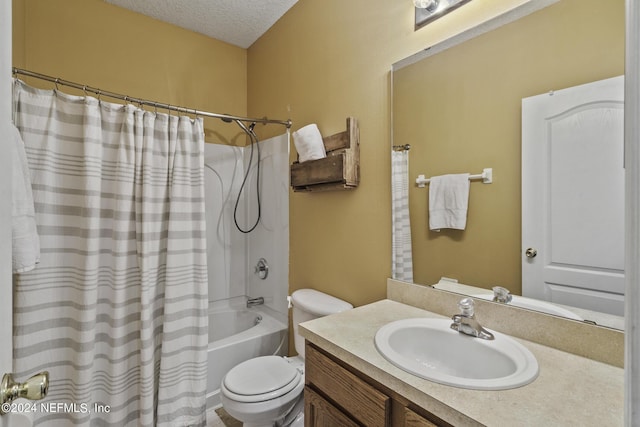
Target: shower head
x=226, y=119
x=243, y=127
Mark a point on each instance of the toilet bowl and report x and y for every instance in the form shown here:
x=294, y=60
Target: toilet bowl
x=267, y=391
x=262, y=390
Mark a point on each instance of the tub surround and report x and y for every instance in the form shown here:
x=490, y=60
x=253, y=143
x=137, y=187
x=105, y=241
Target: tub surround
x=570, y=389
x=232, y=256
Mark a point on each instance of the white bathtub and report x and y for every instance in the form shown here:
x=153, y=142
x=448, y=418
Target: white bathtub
x=236, y=334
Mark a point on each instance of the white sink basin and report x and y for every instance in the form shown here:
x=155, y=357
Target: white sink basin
x=532, y=304
x=430, y=349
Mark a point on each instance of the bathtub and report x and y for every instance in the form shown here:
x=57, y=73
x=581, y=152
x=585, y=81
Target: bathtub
x=236, y=334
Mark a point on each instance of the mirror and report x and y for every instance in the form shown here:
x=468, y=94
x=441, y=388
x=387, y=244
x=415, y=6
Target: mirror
x=459, y=107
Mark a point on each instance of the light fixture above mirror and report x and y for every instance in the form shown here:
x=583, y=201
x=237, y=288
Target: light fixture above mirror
x=430, y=10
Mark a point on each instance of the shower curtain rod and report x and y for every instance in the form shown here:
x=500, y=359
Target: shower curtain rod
x=99, y=92
x=405, y=147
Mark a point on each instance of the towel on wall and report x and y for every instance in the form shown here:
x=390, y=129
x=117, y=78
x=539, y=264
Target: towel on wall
x=308, y=142
x=25, y=240
x=448, y=201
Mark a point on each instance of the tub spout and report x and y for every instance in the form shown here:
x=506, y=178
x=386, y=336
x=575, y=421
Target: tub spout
x=255, y=301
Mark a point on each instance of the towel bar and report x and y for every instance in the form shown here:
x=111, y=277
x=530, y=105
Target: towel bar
x=486, y=176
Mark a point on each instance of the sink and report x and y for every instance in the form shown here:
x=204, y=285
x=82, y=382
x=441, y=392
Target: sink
x=532, y=304
x=430, y=349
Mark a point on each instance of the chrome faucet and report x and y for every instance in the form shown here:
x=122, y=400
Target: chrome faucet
x=466, y=322
x=255, y=301
x=501, y=294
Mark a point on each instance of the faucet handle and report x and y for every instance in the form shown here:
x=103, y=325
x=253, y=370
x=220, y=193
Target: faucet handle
x=501, y=294
x=466, y=307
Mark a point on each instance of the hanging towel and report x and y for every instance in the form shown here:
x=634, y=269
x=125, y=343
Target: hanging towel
x=308, y=142
x=448, y=201
x=25, y=240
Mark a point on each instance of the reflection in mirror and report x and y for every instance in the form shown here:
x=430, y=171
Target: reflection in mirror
x=460, y=110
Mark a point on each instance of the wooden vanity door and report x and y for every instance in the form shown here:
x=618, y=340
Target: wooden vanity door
x=411, y=419
x=332, y=391
x=320, y=413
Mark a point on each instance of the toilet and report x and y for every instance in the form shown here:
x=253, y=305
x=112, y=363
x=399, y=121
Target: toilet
x=268, y=391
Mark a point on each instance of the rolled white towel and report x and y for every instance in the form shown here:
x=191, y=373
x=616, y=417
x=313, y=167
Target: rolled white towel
x=308, y=142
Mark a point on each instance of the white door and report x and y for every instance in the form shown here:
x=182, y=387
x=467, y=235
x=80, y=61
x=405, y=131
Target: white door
x=6, y=309
x=6, y=295
x=573, y=196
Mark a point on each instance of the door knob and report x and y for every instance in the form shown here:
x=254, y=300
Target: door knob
x=531, y=253
x=35, y=388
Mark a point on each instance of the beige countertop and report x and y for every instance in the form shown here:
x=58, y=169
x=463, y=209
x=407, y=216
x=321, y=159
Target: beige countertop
x=570, y=390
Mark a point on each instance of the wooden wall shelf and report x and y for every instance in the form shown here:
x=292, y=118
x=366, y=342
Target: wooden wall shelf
x=340, y=170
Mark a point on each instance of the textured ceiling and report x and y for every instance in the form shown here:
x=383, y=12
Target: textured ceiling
x=238, y=22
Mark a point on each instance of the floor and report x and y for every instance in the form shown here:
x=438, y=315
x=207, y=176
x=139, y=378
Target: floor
x=220, y=418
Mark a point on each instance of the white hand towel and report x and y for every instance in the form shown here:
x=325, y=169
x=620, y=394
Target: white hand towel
x=448, y=201
x=308, y=142
x=25, y=240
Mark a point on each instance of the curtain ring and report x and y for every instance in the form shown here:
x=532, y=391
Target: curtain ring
x=56, y=83
x=84, y=89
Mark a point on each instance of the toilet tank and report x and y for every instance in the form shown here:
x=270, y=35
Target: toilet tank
x=310, y=304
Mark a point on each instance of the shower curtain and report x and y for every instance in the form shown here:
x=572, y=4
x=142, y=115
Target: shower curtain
x=116, y=310
x=402, y=264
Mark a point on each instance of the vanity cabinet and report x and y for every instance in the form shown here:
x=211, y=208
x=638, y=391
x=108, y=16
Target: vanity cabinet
x=411, y=419
x=336, y=394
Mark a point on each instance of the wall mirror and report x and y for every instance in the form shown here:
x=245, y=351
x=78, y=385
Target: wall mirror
x=459, y=106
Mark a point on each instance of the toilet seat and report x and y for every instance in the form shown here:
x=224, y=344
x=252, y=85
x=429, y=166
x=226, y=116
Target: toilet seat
x=260, y=379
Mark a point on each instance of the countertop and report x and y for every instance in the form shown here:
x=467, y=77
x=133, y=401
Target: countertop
x=570, y=390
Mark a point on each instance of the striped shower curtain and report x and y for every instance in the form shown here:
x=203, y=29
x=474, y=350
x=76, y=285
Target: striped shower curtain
x=116, y=309
x=402, y=263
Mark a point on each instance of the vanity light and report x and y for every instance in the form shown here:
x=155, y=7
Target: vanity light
x=430, y=10
x=430, y=5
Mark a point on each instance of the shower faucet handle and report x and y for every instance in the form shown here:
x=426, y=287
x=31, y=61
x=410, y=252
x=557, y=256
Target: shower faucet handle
x=262, y=269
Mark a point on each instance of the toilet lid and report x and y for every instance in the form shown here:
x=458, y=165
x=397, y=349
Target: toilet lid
x=318, y=303
x=261, y=375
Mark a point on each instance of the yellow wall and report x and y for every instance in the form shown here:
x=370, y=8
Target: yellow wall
x=460, y=111
x=323, y=61
x=92, y=42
